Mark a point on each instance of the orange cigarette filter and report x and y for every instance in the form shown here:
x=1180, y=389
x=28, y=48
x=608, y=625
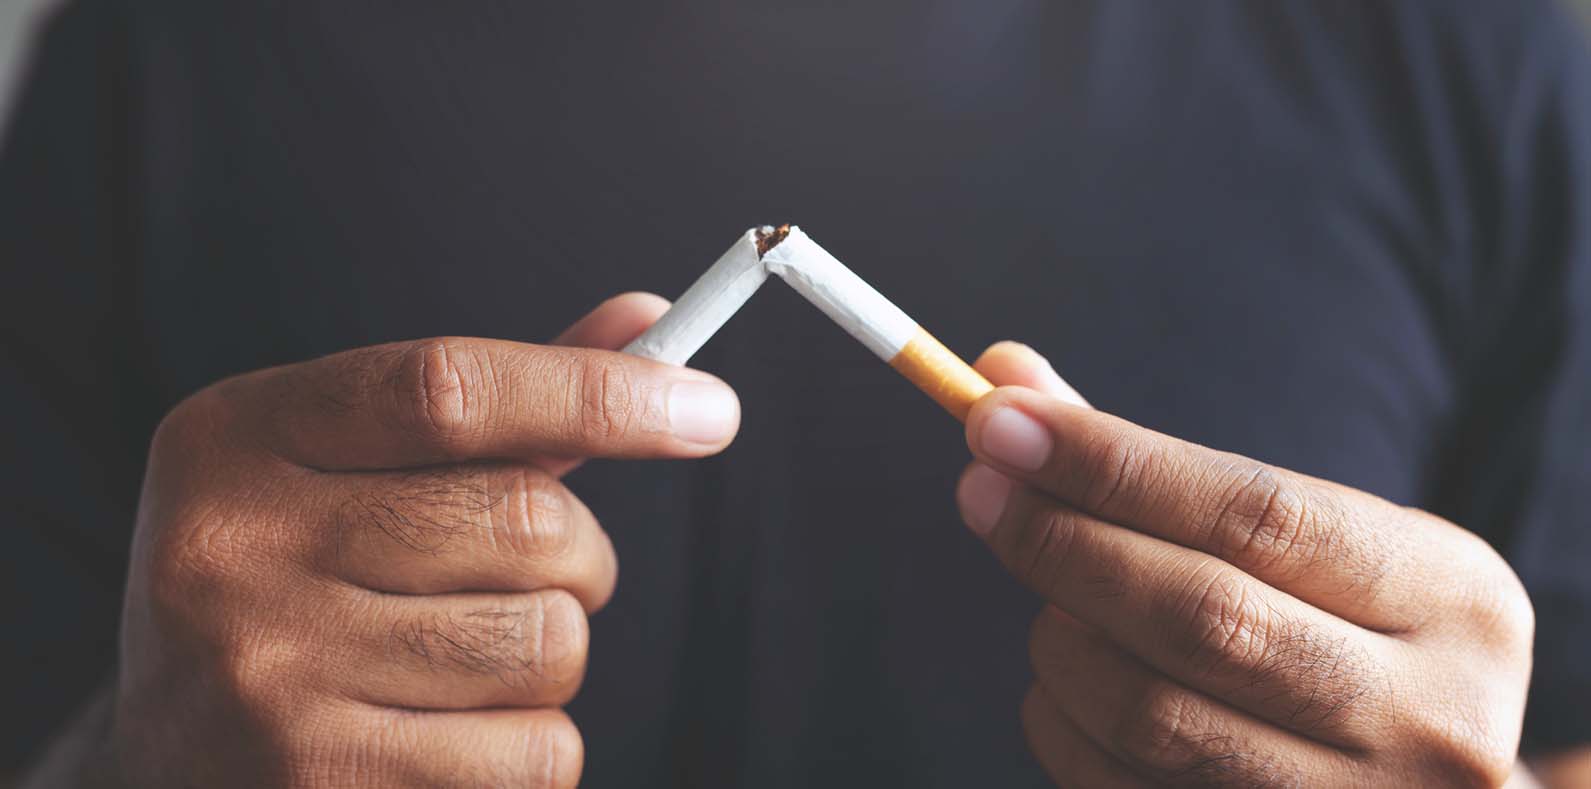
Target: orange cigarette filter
x=872, y=319
x=938, y=371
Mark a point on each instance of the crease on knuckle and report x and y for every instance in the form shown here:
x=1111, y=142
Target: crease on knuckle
x=534, y=519
x=1277, y=528
x=555, y=753
x=1224, y=630
x=1322, y=680
x=1156, y=731
x=198, y=551
x=606, y=404
x=1116, y=463
x=1264, y=522
x=438, y=388
x=1045, y=544
x=1169, y=735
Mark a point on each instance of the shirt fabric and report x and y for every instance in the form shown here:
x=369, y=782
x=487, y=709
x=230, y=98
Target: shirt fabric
x=1349, y=238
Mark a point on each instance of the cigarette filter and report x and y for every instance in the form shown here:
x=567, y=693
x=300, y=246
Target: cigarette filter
x=836, y=290
x=876, y=322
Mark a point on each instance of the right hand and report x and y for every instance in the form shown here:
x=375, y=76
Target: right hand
x=363, y=569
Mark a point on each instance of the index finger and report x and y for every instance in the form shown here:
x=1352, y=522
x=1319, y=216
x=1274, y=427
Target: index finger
x=1338, y=549
x=448, y=399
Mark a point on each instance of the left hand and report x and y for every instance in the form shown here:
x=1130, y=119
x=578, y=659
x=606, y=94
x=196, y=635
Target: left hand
x=1217, y=621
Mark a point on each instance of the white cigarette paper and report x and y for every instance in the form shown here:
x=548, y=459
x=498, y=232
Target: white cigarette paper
x=843, y=296
x=836, y=290
x=710, y=302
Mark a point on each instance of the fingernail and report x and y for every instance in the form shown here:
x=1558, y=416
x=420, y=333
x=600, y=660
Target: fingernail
x=1016, y=439
x=982, y=495
x=702, y=412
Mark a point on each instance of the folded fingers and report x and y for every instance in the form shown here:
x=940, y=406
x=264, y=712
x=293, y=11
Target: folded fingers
x=1066, y=754
x=1195, y=618
x=1159, y=728
x=358, y=745
x=473, y=528
x=464, y=652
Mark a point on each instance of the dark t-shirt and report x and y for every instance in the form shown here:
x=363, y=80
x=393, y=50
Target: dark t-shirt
x=1350, y=238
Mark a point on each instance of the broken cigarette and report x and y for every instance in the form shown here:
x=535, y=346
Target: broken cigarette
x=702, y=310
x=836, y=290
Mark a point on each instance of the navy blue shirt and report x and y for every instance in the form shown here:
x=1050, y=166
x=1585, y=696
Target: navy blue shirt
x=1349, y=238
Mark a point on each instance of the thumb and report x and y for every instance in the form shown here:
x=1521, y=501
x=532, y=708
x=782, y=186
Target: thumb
x=610, y=326
x=981, y=489
x=1014, y=364
x=615, y=322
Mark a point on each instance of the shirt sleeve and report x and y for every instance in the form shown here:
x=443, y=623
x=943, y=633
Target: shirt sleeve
x=72, y=420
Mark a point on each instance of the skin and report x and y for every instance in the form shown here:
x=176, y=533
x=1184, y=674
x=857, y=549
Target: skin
x=364, y=570
x=1212, y=620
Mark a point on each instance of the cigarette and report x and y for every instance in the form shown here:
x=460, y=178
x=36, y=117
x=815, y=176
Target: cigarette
x=849, y=301
x=877, y=323
x=702, y=310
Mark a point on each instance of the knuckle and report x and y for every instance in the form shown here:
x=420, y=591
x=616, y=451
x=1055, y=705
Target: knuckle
x=1497, y=611
x=554, y=753
x=535, y=522
x=1113, y=462
x=1171, y=736
x=1325, y=682
x=1223, y=626
x=1464, y=755
x=563, y=639
x=1157, y=733
x=605, y=404
x=252, y=670
x=182, y=424
x=1043, y=542
x=1263, y=522
x=201, y=550
x=439, y=390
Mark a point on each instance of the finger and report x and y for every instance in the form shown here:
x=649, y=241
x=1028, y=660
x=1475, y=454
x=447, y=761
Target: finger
x=1190, y=616
x=451, y=399
x=1068, y=757
x=1160, y=728
x=471, y=651
x=1014, y=364
x=472, y=528
x=529, y=748
x=611, y=326
x=1346, y=552
x=615, y=322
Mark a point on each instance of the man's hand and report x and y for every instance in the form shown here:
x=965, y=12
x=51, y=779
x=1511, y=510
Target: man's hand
x=364, y=570
x=1214, y=620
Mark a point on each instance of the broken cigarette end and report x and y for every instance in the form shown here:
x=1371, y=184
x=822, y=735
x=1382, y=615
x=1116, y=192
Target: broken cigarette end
x=769, y=237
